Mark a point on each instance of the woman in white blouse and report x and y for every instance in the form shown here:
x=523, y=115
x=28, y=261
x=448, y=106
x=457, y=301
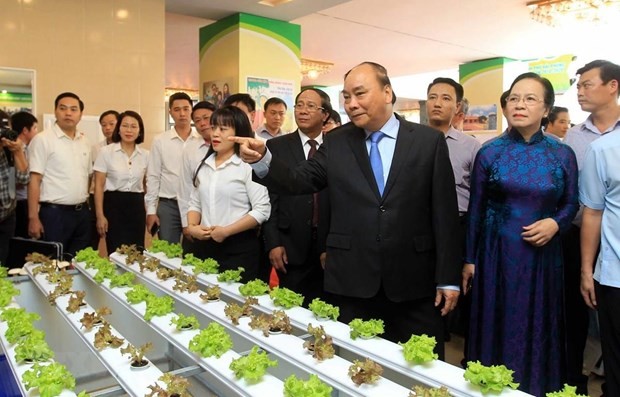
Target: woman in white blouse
x=119, y=184
x=226, y=206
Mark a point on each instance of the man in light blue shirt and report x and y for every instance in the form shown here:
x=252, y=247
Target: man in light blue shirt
x=599, y=192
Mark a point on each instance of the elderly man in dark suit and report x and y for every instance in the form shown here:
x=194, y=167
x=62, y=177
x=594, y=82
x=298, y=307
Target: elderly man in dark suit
x=294, y=236
x=391, y=247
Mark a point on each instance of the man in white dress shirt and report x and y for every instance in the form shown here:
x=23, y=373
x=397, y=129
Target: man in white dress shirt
x=162, y=181
x=60, y=166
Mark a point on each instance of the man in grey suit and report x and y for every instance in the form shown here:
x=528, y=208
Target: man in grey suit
x=391, y=252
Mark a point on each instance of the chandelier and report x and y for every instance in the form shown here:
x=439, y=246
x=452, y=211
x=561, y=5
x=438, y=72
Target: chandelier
x=557, y=12
x=313, y=69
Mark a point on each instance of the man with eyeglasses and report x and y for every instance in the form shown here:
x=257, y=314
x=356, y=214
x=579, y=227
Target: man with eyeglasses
x=393, y=210
x=275, y=113
x=193, y=153
x=294, y=229
x=597, y=93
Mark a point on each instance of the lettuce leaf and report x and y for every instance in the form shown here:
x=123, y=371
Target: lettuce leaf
x=419, y=349
x=365, y=329
x=229, y=276
x=158, y=306
x=211, y=341
x=139, y=293
x=568, y=391
x=168, y=249
x=313, y=387
x=286, y=298
x=122, y=280
x=254, y=288
x=490, y=379
x=324, y=309
x=51, y=379
x=253, y=366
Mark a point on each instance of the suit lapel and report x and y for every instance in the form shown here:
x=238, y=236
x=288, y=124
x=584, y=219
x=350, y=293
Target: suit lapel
x=404, y=140
x=357, y=141
x=295, y=147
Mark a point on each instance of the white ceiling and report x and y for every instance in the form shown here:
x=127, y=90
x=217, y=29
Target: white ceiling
x=406, y=36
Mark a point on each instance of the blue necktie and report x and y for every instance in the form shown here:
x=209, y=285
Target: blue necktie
x=375, y=159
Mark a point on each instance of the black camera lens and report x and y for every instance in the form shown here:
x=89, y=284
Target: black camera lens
x=9, y=134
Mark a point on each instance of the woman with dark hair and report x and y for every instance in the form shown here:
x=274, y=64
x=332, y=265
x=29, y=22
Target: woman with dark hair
x=523, y=194
x=226, y=206
x=120, y=169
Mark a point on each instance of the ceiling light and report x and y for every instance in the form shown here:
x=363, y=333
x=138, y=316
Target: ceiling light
x=313, y=69
x=274, y=3
x=559, y=12
x=122, y=14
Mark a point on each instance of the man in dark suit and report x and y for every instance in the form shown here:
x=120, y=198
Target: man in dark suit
x=292, y=231
x=391, y=252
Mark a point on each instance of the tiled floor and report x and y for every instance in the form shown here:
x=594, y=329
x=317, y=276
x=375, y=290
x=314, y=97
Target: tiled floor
x=454, y=355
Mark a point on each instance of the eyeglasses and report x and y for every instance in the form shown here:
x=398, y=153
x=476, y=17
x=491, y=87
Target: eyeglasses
x=310, y=107
x=528, y=100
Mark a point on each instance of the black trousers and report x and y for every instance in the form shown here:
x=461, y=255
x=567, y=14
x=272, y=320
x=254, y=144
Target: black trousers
x=21, y=219
x=66, y=224
x=576, y=312
x=401, y=319
x=305, y=278
x=126, y=219
x=7, y=230
x=239, y=250
x=608, y=300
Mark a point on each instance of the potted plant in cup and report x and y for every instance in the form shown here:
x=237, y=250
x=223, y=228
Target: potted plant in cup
x=138, y=361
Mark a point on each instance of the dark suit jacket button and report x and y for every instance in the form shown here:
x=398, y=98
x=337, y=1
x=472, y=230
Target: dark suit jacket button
x=382, y=209
x=378, y=237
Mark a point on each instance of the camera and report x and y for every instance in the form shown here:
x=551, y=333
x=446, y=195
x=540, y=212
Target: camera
x=9, y=134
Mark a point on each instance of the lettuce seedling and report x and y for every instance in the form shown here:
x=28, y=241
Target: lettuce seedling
x=151, y=264
x=421, y=391
x=323, y=309
x=50, y=379
x=138, y=293
x=185, y=322
x=4, y=271
x=212, y=293
x=7, y=292
x=313, y=387
x=87, y=255
x=104, y=338
x=568, y=391
x=168, y=249
x=122, y=280
x=89, y=320
x=230, y=276
x=365, y=329
x=176, y=386
x=490, y=379
x=163, y=273
x=185, y=282
x=419, y=349
x=253, y=366
x=76, y=301
x=207, y=266
x=105, y=269
x=158, y=306
x=286, y=298
x=211, y=341
x=33, y=348
x=136, y=354
x=365, y=372
x=254, y=288
x=20, y=323
x=322, y=346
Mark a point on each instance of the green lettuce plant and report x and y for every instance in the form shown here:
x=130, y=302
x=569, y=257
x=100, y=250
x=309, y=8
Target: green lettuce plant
x=323, y=309
x=185, y=322
x=254, y=288
x=20, y=323
x=168, y=249
x=33, y=347
x=7, y=292
x=421, y=391
x=253, y=366
x=87, y=255
x=207, y=266
x=419, y=349
x=50, y=379
x=366, y=329
x=4, y=272
x=490, y=379
x=211, y=341
x=158, y=306
x=313, y=387
x=567, y=391
x=286, y=298
x=122, y=280
x=105, y=269
x=138, y=293
x=230, y=276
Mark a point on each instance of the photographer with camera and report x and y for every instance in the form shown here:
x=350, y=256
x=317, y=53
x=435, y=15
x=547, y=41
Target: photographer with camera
x=13, y=171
